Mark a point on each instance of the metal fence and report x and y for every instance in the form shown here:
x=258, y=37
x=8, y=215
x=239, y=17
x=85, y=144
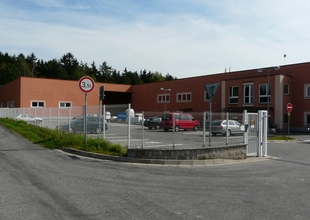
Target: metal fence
x=127, y=128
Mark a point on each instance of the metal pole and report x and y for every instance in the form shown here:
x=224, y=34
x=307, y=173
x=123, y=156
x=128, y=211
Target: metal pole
x=142, y=127
x=204, y=129
x=268, y=105
x=210, y=121
x=227, y=124
x=99, y=116
x=128, y=130
x=173, y=129
x=104, y=120
x=85, y=120
x=288, y=130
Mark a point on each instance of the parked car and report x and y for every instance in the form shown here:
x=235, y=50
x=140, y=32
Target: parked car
x=219, y=127
x=152, y=122
x=182, y=121
x=76, y=125
x=29, y=118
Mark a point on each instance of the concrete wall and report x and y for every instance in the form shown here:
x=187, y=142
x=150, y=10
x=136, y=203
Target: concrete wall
x=227, y=152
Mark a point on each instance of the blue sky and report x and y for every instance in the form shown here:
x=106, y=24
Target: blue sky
x=184, y=38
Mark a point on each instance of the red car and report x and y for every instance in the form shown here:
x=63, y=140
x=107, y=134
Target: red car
x=182, y=121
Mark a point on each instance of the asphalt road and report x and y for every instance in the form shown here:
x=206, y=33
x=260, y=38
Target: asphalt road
x=37, y=183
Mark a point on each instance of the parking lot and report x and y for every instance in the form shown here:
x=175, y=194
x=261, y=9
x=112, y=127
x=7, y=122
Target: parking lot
x=158, y=138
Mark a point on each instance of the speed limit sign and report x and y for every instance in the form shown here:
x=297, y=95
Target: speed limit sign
x=86, y=84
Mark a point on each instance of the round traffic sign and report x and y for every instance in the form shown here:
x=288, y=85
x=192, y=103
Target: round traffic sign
x=289, y=107
x=86, y=84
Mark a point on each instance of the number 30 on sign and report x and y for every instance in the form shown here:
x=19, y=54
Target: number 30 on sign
x=86, y=84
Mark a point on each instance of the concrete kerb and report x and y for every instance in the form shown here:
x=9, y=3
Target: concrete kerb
x=169, y=162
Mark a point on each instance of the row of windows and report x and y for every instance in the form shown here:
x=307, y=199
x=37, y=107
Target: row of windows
x=37, y=104
x=248, y=94
x=41, y=104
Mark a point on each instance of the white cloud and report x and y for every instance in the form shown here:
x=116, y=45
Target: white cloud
x=196, y=38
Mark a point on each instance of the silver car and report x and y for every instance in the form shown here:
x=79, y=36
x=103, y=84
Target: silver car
x=29, y=118
x=219, y=127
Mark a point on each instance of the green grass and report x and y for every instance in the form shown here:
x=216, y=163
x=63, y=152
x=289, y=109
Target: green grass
x=53, y=139
x=280, y=137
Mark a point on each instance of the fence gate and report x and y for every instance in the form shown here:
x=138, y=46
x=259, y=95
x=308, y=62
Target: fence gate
x=256, y=135
x=252, y=134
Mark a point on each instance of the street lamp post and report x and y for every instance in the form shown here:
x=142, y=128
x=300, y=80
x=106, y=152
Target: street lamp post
x=268, y=86
x=165, y=90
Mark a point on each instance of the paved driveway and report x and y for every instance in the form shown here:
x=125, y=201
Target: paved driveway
x=46, y=184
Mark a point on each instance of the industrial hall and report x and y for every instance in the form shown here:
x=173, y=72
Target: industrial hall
x=284, y=91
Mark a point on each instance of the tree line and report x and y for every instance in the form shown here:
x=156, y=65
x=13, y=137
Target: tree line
x=69, y=68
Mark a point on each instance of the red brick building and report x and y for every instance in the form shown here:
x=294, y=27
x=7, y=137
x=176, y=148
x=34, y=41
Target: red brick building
x=237, y=91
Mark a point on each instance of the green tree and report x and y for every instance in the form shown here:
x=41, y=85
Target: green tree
x=71, y=65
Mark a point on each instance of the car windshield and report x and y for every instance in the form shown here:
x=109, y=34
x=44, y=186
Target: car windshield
x=216, y=122
x=166, y=117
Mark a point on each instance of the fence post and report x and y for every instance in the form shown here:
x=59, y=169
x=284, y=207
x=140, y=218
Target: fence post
x=204, y=129
x=128, y=131
x=142, y=127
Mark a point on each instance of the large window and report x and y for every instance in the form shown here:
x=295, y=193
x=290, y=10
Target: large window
x=263, y=96
x=162, y=98
x=37, y=104
x=248, y=93
x=184, y=97
x=233, y=95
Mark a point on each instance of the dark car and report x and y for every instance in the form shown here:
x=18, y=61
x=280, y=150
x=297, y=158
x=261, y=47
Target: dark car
x=219, y=127
x=76, y=125
x=152, y=122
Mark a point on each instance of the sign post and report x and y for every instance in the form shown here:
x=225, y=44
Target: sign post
x=289, y=108
x=87, y=85
x=211, y=90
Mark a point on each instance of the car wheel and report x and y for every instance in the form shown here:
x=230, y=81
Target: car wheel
x=196, y=128
x=166, y=129
x=157, y=127
x=228, y=133
x=98, y=130
x=150, y=127
x=213, y=134
x=177, y=128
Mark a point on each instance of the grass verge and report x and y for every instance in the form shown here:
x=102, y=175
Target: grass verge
x=280, y=137
x=53, y=139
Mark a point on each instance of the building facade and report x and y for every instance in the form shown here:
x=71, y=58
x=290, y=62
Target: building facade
x=236, y=92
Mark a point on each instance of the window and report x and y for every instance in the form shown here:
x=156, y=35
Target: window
x=233, y=95
x=163, y=98
x=263, y=97
x=37, y=104
x=307, y=91
x=248, y=93
x=184, y=97
x=206, y=96
x=65, y=104
x=307, y=119
x=286, y=89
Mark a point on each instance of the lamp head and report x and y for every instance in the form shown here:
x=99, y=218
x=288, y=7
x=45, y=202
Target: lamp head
x=276, y=67
x=259, y=70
